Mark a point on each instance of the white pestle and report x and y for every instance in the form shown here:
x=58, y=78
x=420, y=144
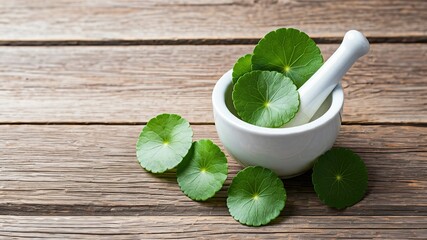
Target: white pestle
x=314, y=92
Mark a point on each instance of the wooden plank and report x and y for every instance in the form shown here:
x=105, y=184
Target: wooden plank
x=208, y=227
x=64, y=20
x=133, y=84
x=92, y=170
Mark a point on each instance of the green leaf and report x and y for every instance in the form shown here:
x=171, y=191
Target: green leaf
x=203, y=171
x=163, y=142
x=340, y=178
x=266, y=99
x=256, y=196
x=288, y=51
x=242, y=66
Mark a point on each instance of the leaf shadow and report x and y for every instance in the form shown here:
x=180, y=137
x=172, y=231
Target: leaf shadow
x=293, y=186
x=302, y=200
x=168, y=176
x=217, y=205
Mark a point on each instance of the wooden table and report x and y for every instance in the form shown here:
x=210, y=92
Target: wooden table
x=79, y=79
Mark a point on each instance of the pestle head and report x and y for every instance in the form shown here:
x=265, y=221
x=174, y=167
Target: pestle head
x=356, y=41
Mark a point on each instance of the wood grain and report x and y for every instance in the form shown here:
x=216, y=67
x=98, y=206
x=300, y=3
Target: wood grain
x=133, y=84
x=92, y=170
x=64, y=20
x=97, y=70
x=208, y=227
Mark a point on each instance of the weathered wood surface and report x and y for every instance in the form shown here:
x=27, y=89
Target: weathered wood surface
x=92, y=170
x=134, y=83
x=79, y=178
x=209, y=227
x=153, y=20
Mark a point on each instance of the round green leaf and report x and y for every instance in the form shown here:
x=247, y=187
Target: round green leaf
x=288, y=51
x=203, y=171
x=340, y=178
x=256, y=196
x=242, y=66
x=266, y=99
x=163, y=142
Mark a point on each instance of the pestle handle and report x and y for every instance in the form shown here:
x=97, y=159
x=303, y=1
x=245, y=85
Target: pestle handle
x=314, y=92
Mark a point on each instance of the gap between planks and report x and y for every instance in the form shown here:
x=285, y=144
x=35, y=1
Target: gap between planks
x=413, y=124
x=195, y=41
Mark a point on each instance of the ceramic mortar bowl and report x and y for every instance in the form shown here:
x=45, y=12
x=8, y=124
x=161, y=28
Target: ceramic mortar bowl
x=287, y=151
